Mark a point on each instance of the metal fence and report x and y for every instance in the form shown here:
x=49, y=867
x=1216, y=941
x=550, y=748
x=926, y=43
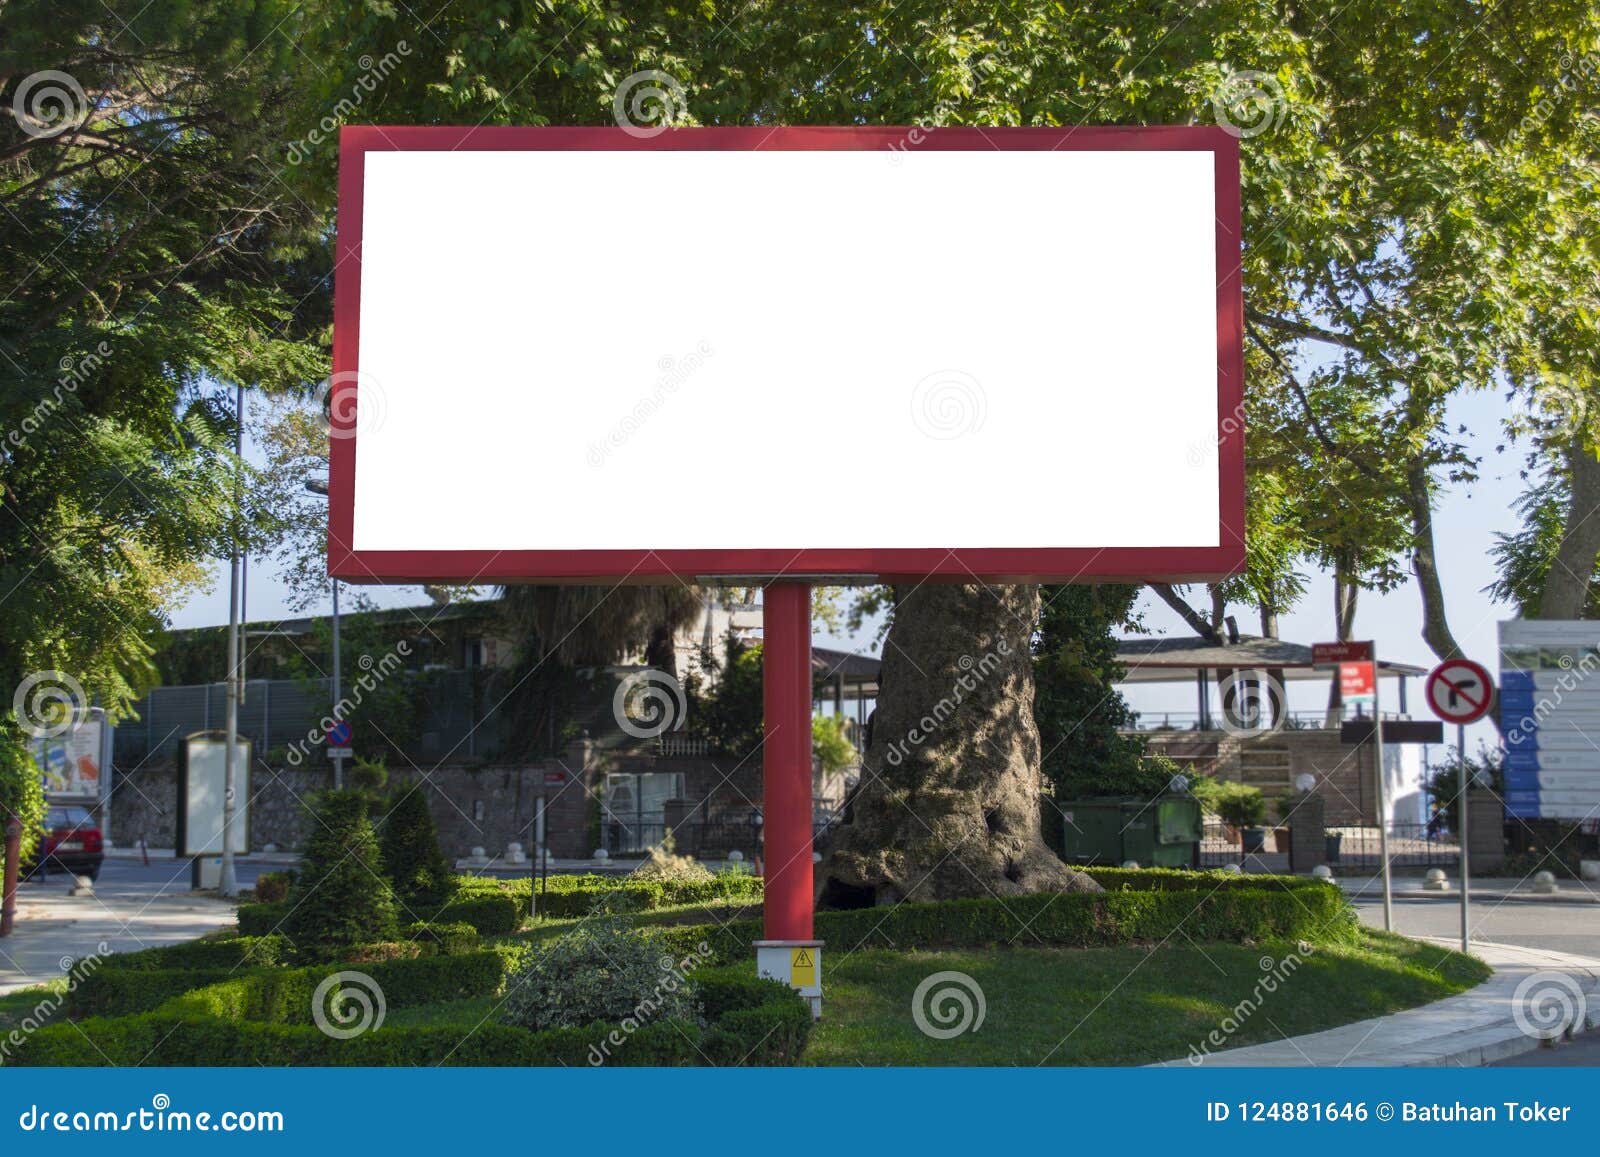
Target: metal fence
x=1353, y=847
x=1193, y=721
x=458, y=717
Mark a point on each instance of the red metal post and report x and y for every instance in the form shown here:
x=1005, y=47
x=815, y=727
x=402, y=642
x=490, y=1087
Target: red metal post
x=8, y=891
x=786, y=758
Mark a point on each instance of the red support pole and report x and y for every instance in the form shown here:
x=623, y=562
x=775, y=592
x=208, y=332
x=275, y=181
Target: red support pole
x=786, y=759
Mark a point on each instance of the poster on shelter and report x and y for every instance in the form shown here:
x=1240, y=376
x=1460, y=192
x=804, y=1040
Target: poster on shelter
x=70, y=764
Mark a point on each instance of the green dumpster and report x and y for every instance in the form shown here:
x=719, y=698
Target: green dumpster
x=1159, y=833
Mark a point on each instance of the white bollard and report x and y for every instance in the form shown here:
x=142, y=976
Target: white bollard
x=736, y=856
x=602, y=857
x=1322, y=872
x=1589, y=869
x=1544, y=882
x=1435, y=881
x=1232, y=868
x=1130, y=863
x=82, y=886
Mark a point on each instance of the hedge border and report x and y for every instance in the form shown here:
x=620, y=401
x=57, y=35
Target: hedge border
x=1280, y=909
x=751, y=1021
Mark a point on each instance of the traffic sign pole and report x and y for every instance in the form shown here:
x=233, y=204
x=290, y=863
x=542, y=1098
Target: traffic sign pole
x=1466, y=810
x=1383, y=800
x=1459, y=691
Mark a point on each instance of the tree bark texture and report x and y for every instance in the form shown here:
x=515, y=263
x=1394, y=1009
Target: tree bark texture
x=948, y=804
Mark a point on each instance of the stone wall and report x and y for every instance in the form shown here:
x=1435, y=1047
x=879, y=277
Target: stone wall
x=482, y=805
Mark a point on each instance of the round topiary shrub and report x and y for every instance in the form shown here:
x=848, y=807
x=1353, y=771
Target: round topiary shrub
x=603, y=971
x=415, y=863
x=340, y=896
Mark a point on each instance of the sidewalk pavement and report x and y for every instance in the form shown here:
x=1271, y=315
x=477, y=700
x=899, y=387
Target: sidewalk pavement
x=1474, y=1028
x=53, y=930
x=1487, y=888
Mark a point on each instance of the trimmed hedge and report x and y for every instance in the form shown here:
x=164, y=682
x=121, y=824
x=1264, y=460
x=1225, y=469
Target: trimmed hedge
x=233, y=952
x=443, y=939
x=491, y=914
x=263, y=919
x=1184, y=880
x=1303, y=910
x=750, y=1021
x=123, y=991
x=566, y=897
x=139, y=981
x=284, y=995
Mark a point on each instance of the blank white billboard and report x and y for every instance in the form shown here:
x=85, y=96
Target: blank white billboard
x=844, y=353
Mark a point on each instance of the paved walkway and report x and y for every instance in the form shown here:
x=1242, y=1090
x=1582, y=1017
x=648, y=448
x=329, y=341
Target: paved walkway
x=1474, y=1028
x=54, y=930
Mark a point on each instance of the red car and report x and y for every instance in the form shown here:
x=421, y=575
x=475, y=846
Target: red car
x=71, y=843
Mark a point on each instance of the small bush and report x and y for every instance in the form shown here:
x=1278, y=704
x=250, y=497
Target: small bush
x=600, y=972
x=341, y=897
x=273, y=886
x=412, y=857
x=663, y=864
x=1241, y=806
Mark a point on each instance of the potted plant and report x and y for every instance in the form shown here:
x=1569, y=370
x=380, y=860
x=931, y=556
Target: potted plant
x=1243, y=808
x=1284, y=806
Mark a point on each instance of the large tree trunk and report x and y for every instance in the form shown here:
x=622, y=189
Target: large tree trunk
x=948, y=804
x=1425, y=563
x=1566, y=585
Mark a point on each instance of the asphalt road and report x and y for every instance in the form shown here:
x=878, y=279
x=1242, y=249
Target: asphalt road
x=1560, y=927
x=164, y=876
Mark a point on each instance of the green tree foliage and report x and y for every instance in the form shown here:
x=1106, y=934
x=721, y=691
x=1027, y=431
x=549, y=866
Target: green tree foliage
x=341, y=895
x=412, y=858
x=151, y=249
x=723, y=698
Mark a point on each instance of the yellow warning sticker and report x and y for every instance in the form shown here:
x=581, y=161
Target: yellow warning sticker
x=802, y=967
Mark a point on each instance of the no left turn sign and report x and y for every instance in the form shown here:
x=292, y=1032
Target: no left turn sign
x=1459, y=691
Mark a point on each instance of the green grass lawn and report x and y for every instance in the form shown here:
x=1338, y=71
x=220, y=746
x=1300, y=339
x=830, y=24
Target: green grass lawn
x=1122, y=1006
x=1097, y=1006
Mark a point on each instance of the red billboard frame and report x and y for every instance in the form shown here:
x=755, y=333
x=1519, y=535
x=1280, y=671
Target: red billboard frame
x=1031, y=564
